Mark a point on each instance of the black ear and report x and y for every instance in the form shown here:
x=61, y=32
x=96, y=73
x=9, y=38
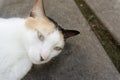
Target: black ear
x=66, y=33
x=70, y=33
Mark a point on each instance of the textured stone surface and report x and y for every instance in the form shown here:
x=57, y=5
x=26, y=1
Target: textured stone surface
x=83, y=57
x=109, y=13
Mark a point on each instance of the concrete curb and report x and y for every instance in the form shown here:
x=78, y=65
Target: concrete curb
x=108, y=12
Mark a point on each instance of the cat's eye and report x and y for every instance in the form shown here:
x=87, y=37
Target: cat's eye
x=40, y=36
x=57, y=48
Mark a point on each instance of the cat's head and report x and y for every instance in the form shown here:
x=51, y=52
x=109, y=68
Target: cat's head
x=46, y=37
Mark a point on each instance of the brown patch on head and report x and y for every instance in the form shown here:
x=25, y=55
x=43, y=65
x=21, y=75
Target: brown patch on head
x=40, y=24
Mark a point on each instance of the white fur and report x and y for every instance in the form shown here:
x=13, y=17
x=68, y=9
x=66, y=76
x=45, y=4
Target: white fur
x=20, y=48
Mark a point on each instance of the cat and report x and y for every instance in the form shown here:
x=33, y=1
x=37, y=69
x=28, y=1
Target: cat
x=33, y=40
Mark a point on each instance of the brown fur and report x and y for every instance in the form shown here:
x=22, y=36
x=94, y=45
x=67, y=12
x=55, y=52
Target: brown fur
x=38, y=9
x=36, y=24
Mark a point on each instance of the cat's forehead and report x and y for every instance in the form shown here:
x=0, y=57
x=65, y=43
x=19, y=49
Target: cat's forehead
x=56, y=35
x=47, y=27
x=43, y=24
x=55, y=38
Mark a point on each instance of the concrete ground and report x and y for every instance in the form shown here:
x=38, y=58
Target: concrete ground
x=83, y=57
x=108, y=12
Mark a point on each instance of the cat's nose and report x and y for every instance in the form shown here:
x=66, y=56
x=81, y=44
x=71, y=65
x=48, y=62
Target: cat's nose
x=41, y=58
x=44, y=56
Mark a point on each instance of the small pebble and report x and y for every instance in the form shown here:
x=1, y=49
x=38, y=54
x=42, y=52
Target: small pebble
x=81, y=5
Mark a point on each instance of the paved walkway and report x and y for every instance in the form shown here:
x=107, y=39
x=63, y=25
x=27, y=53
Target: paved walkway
x=109, y=13
x=83, y=57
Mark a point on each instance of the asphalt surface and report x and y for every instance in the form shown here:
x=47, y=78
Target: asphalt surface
x=83, y=57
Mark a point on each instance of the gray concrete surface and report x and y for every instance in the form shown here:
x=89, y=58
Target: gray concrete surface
x=108, y=12
x=83, y=57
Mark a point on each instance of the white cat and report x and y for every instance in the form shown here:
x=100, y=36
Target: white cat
x=34, y=40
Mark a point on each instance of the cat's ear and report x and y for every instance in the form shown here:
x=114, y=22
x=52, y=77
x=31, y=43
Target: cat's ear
x=38, y=9
x=70, y=33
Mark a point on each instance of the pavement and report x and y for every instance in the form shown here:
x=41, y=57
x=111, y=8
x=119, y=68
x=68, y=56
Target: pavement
x=108, y=11
x=83, y=58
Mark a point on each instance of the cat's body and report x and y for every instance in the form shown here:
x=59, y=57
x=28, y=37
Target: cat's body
x=20, y=46
x=14, y=61
x=33, y=40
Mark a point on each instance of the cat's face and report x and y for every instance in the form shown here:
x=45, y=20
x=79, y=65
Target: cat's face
x=46, y=39
x=44, y=43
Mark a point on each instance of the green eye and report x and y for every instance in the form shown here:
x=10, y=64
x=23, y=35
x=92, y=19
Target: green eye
x=40, y=36
x=57, y=48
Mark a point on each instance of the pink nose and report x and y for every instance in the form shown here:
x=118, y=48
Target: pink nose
x=44, y=56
